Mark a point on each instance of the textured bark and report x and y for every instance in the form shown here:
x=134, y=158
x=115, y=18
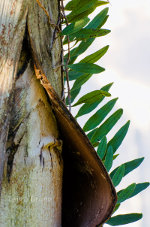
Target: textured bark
x=31, y=190
x=30, y=149
x=13, y=18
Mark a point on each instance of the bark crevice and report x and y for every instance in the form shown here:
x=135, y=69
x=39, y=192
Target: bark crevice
x=32, y=179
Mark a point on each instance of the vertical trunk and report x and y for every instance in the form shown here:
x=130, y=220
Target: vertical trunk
x=10, y=47
x=31, y=163
x=30, y=149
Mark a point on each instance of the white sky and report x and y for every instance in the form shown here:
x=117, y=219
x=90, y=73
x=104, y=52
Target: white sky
x=127, y=65
x=129, y=68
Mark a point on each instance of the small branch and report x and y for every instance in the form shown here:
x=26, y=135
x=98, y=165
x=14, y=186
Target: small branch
x=68, y=59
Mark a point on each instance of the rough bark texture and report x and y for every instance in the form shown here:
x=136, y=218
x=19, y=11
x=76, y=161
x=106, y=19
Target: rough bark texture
x=30, y=149
x=12, y=27
x=30, y=145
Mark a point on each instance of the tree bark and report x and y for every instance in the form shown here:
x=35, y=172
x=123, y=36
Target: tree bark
x=31, y=165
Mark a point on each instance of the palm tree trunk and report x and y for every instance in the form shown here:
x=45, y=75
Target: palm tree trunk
x=31, y=166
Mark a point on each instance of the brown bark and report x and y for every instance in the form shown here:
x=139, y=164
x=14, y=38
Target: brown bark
x=30, y=148
x=22, y=19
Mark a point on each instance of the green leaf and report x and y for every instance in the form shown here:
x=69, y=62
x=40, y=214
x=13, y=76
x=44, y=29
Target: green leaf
x=83, y=46
x=100, y=3
x=102, y=147
x=116, y=207
x=90, y=134
x=86, y=33
x=92, y=58
x=74, y=93
x=73, y=75
x=86, y=68
x=140, y=187
x=129, y=166
x=116, y=141
x=115, y=156
x=83, y=14
x=75, y=52
x=91, y=97
x=95, y=144
x=81, y=10
x=109, y=159
x=88, y=107
x=119, y=174
x=98, y=21
x=75, y=27
x=78, y=83
x=99, y=116
x=72, y=5
x=74, y=37
x=90, y=33
x=125, y=193
x=81, y=80
x=124, y=219
x=106, y=126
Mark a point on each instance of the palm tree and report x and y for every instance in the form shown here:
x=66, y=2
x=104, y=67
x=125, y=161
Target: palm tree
x=34, y=123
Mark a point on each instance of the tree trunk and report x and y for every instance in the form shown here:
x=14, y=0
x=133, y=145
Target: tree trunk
x=31, y=166
x=30, y=149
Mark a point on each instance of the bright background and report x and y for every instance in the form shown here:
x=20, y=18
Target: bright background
x=127, y=65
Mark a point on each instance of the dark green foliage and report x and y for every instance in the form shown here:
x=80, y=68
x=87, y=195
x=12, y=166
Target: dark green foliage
x=124, y=219
x=139, y=187
x=126, y=193
x=89, y=33
x=116, y=207
x=102, y=147
x=92, y=58
x=116, y=141
x=119, y=174
x=86, y=68
x=80, y=81
x=131, y=191
x=75, y=27
x=82, y=32
x=99, y=20
x=90, y=134
x=87, y=108
x=115, y=156
x=82, y=9
x=73, y=5
x=129, y=166
x=109, y=159
x=95, y=24
x=99, y=116
x=74, y=53
x=73, y=75
x=92, y=97
x=74, y=93
x=106, y=126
